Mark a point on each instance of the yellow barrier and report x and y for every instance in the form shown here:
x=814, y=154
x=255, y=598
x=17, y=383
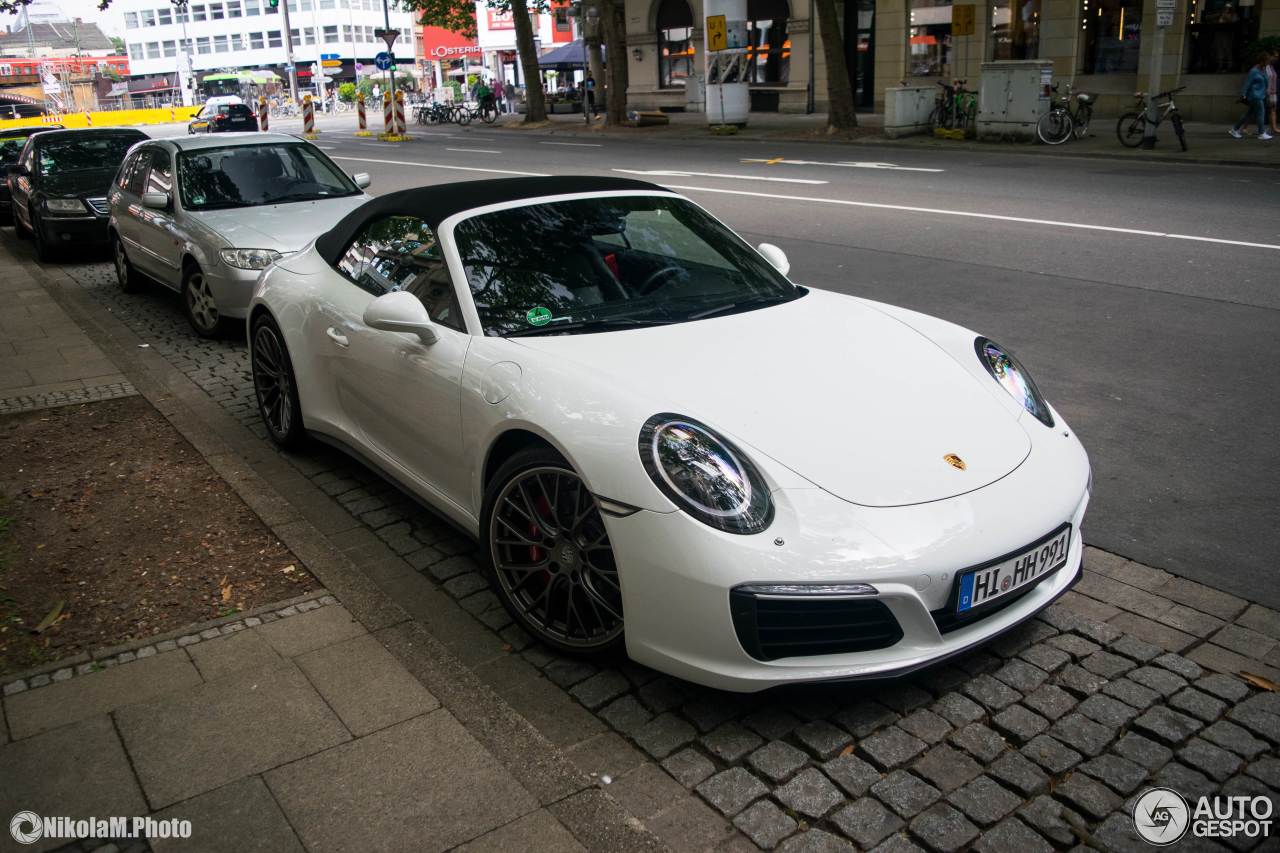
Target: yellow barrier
x=106, y=118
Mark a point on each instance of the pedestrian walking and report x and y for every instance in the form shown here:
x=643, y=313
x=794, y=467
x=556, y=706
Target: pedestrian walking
x=1254, y=95
x=1271, y=91
x=589, y=89
x=500, y=95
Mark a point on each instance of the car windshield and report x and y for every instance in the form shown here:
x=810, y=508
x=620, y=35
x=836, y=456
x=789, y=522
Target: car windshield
x=252, y=175
x=83, y=153
x=586, y=265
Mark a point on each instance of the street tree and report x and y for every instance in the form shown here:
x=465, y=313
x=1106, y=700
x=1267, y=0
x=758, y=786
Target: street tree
x=614, y=30
x=840, y=113
x=459, y=16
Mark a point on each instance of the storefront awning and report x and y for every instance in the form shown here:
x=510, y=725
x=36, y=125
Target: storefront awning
x=566, y=57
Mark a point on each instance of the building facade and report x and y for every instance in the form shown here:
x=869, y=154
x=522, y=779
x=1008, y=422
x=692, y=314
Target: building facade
x=249, y=34
x=1100, y=46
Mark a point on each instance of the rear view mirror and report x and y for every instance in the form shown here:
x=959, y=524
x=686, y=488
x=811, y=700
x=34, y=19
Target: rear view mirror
x=400, y=311
x=362, y=179
x=775, y=256
x=156, y=201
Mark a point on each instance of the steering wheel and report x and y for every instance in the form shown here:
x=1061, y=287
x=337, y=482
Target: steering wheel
x=658, y=279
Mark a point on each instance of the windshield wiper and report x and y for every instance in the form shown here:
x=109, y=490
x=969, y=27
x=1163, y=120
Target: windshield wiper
x=601, y=324
x=741, y=305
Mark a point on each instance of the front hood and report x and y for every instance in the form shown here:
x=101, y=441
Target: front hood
x=282, y=227
x=844, y=395
x=93, y=184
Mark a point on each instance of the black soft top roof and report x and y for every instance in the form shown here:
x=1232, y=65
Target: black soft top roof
x=435, y=204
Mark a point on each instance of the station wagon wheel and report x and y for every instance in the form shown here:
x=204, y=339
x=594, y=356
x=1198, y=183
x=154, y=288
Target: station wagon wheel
x=197, y=298
x=126, y=276
x=549, y=554
x=274, y=385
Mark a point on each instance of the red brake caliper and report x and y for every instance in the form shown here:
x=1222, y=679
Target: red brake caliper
x=536, y=552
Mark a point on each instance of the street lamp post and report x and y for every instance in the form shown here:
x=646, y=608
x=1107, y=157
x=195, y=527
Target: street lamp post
x=184, y=81
x=288, y=53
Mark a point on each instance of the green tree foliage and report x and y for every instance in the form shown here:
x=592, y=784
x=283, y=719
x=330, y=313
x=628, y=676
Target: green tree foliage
x=347, y=92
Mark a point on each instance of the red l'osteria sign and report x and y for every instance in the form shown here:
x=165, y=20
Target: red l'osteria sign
x=439, y=43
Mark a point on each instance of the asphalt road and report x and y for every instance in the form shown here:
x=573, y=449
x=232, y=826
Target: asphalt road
x=1142, y=296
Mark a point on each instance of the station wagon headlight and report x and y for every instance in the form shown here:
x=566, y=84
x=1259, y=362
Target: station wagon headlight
x=249, y=259
x=704, y=474
x=64, y=206
x=1013, y=377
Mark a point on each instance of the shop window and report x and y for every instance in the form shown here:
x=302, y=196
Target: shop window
x=130, y=20
x=1112, y=36
x=930, y=38
x=1218, y=32
x=770, y=47
x=675, y=44
x=1015, y=29
x=561, y=17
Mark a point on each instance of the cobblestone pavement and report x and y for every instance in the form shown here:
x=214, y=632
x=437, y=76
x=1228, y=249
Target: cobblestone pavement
x=1041, y=740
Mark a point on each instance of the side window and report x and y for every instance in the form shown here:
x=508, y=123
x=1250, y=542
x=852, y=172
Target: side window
x=29, y=157
x=161, y=178
x=138, y=177
x=126, y=169
x=401, y=253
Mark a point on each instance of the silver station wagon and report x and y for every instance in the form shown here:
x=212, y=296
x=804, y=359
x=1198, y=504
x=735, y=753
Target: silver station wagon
x=205, y=215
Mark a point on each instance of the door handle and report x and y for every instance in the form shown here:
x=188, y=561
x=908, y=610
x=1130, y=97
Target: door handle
x=337, y=337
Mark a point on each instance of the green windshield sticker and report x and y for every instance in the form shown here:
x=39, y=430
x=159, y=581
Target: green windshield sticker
x=539, y=316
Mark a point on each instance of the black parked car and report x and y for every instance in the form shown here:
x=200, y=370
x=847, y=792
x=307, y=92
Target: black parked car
x=219, y=118
x=59, y=186
x=11, y=143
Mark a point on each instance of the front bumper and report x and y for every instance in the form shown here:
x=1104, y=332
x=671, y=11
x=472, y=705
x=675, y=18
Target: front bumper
x=65, y=230
x=677, y=573
x=232, y=289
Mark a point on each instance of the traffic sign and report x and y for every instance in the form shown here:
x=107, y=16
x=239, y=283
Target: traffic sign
x=963, y=19
x=389, y=36
x=1164, y=13
x=717, y=33
x=324, y=56
x=331, y=63
x=383, y=60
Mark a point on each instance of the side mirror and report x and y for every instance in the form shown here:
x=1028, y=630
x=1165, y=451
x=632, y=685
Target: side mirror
x=775, y=256
x=400, y=311
x=156, y=201
x=362, y=179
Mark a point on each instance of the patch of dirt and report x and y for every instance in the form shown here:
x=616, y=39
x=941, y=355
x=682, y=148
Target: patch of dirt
x=106, y=510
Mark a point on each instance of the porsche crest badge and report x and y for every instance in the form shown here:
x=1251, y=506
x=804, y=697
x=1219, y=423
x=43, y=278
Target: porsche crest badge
x=954, y=461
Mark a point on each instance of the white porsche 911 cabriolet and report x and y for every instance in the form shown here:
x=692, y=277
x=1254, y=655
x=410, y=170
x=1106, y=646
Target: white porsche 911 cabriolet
x=660, y=441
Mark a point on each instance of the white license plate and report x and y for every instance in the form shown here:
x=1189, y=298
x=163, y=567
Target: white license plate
x=985, y=585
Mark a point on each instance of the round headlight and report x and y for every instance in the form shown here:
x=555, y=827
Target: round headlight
x=704, y=474
x=1013, y=377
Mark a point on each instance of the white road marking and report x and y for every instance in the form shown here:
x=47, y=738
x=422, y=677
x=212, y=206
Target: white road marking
x=575, y=144
x=974, y=215
x=846, y=164
x=474, y=150
x=442, y=166
x=669, y=173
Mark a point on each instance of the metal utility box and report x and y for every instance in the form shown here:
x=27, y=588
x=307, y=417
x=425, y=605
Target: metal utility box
x=1013, y=96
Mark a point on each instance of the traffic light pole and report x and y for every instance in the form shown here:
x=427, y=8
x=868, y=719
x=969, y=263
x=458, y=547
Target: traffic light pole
x=391, y=48
x=288, y=51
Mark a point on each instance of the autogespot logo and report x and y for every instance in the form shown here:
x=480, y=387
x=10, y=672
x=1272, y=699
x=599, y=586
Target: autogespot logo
x=26, y=827
x=1161, y=816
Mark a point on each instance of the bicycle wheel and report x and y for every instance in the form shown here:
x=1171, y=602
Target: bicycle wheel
x=1080, y=122
x=936, y=118
x=464, y=116
x=1131, y=128
x=489, y=114
x=1176, y=119
x=1054, y=127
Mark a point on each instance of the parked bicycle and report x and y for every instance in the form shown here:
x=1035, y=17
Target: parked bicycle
x=956, y=107
x=434, y=113
x=1062, y=122
x=461, y=114
x=1132, y=127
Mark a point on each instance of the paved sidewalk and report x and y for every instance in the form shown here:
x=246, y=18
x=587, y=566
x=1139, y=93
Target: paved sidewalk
x=1038, y=741
x=1207, y=143
x=287, y=731
x=45, y=358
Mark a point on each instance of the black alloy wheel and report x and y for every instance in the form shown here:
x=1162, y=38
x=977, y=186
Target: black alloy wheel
x=548, y=554
x=274, y=385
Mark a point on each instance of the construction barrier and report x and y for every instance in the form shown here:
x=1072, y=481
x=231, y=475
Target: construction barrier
x=402, y=128
x=363, y=129
x=308, y=117
x=105, y=118
x=388, y=116
x=264, y=115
